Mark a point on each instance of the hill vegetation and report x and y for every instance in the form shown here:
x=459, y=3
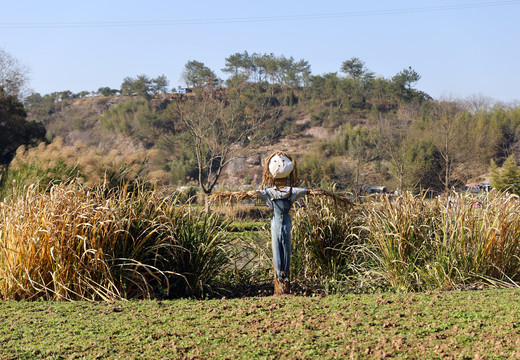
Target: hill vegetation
x=346, y=129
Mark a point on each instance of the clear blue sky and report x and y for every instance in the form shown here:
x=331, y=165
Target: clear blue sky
x=461, y=48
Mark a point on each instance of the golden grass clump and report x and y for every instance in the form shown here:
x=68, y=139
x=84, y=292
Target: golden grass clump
x=325, y=241
x=72, y=242
x=53, y=245
x=422, y=244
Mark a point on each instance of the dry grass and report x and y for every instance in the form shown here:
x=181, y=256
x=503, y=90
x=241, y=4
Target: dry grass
x=51, y=247
x=326, y=243
x=406, y=243
x=73, y=242
x=87, y=165
x=446, y=243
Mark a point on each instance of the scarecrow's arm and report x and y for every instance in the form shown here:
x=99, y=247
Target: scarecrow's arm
x=228, y=196
x=339, y=199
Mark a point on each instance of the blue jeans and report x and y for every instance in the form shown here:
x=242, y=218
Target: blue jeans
x=281, y=237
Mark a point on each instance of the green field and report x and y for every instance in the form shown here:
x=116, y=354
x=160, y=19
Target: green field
x=456, y=324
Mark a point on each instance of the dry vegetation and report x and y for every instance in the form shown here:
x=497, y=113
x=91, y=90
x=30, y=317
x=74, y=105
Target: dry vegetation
x=76, y=242
x=87, y=165
x=72, y=242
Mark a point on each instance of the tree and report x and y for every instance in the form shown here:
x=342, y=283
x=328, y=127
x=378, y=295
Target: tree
x=501, y=131
x=448, y=125
x=219, y=126
x=267, y=67
x=136, y=119
x=141, y=85
x=360, y=144
x=160, y=84
x=13, y=76
x=423, y=164
x=406, y=78
x=507, y=177
x=356, y=69
x=403, y=85
x=238, y=64
x=362, y=77
x=106, y=91
x=293, y=73
x=15, y=130
x=325, y=89
x=144, y=86
x=394, y=134
x=196, y=74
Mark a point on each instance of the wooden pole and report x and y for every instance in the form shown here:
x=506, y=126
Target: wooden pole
x=281, y=287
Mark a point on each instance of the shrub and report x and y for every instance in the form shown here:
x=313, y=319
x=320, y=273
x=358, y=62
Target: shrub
x=132, y=118
x=507, y=177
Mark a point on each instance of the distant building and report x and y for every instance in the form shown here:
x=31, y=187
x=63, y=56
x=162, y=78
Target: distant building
x=185, y=90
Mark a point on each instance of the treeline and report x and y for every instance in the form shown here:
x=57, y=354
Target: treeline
x=385, y=130
x=359, y=87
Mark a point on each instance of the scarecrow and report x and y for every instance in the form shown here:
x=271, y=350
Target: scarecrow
x=279, y=192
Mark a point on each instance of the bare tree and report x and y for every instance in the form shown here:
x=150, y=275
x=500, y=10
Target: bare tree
x=13, y=76
x=361, y=145
x=395, y=133
x=449, y=127
x=219, y=124
x=478, y=102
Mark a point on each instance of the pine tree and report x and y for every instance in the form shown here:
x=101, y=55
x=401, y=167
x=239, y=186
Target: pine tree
x=507, y=177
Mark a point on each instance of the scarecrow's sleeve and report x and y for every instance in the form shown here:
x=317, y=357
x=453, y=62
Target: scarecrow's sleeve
x=229, y=197
x=340, y=200
x=298, y=192
x=262, y=194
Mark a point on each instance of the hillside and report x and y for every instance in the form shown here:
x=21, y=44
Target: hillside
x=78, y=120
x=315, y=135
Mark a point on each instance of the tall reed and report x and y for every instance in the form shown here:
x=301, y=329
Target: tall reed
x=325, y=243
x=399, y=233
x=447, y=243
x=481, y=238
x=73, y=242
x=51, y=247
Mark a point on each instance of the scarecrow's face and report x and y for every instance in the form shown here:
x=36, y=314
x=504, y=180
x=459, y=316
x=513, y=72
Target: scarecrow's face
x=280, y=166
